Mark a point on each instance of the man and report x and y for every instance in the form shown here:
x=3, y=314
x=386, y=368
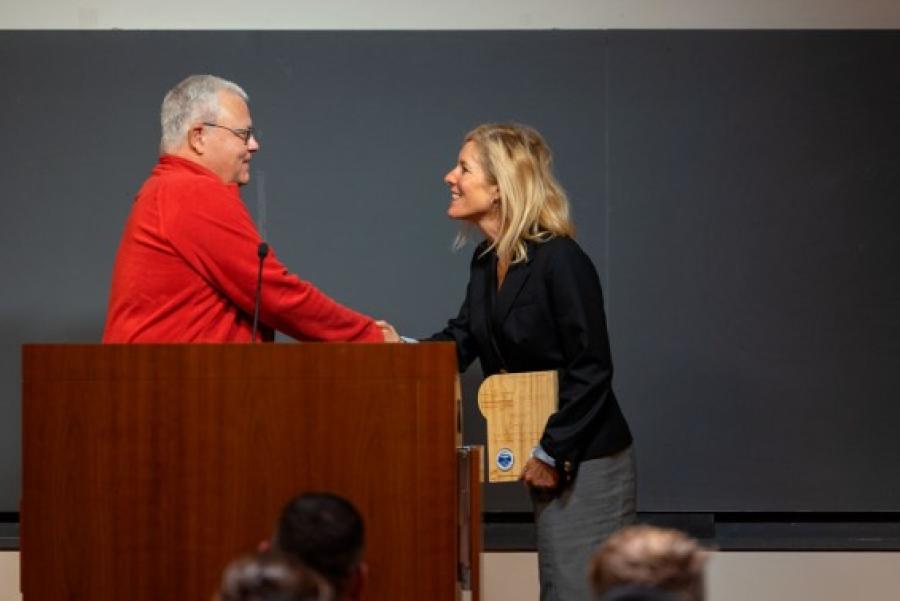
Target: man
x=325, y=532
x=661, y=558
x=187, y=265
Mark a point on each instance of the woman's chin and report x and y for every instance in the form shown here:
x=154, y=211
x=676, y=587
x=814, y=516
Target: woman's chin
x=453, y=212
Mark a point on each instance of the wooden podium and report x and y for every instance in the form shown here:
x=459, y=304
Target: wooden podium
x=147, y=468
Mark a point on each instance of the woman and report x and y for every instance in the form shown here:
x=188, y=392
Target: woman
x=534, y=303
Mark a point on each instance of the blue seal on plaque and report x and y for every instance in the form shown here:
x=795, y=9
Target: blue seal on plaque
x=505, y=460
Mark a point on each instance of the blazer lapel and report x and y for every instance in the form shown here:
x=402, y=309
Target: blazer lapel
x=512, y=285
x=484, y=295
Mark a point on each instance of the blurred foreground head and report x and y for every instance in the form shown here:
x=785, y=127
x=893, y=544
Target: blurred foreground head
x=660, y=558
x=325, y=532
x=271, y=577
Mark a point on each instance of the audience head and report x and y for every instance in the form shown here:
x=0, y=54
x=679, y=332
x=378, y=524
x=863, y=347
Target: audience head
x=652, y=557
x=325, y=532
x=270, y=577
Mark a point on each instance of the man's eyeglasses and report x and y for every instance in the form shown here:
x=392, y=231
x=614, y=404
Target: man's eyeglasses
x=243, y=134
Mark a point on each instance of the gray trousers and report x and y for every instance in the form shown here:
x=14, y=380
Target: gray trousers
x=571, y=524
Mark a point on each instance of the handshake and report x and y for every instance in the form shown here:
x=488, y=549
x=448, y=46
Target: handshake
x=388, y=331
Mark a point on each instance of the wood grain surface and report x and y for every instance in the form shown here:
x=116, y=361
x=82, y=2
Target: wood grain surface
x=516, y=407
x=146, y=468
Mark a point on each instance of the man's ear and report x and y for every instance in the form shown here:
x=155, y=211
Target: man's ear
x=196, y=140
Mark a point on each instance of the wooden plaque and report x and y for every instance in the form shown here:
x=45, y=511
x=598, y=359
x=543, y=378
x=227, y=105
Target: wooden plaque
x=516, y=407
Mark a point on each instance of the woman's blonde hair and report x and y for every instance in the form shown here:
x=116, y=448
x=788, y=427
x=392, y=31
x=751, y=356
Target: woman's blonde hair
x=533, y=206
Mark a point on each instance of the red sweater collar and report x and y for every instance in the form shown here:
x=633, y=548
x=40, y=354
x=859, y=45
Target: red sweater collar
x=170, y=162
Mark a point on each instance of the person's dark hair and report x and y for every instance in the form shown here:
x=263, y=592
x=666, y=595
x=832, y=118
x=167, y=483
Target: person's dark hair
x=325, y=532
x=272, y=577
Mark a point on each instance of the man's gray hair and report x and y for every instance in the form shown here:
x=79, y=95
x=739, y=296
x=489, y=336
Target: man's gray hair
x=194, y=99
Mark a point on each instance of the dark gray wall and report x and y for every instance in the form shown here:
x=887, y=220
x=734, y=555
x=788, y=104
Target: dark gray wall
x=753, y=275
x=736, y=190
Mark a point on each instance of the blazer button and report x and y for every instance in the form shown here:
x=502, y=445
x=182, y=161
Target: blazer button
x=567, y=466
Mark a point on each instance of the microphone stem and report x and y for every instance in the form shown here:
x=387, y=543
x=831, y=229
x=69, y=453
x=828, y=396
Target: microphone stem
x=262, y=251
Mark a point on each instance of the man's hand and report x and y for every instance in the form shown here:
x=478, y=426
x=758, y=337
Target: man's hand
x=538, y=474
x=387, y=330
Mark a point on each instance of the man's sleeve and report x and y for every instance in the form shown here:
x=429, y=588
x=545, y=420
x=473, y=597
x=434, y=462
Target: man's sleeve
x=210, y=228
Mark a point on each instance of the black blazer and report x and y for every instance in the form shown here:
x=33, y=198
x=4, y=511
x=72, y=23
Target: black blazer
x=548, y=314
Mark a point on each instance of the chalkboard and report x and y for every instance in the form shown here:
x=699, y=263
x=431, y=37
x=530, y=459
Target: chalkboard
x=737, y=192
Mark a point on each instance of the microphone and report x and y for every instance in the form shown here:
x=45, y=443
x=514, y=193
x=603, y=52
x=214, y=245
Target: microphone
x=262, y=250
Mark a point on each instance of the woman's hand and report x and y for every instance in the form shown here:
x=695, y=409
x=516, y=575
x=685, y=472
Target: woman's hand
x=537, y=474
x=387, y=330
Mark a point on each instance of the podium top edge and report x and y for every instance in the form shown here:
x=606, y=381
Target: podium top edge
x=189, y=361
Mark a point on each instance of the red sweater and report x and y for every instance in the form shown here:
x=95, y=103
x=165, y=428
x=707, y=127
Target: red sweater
x=187, y=266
